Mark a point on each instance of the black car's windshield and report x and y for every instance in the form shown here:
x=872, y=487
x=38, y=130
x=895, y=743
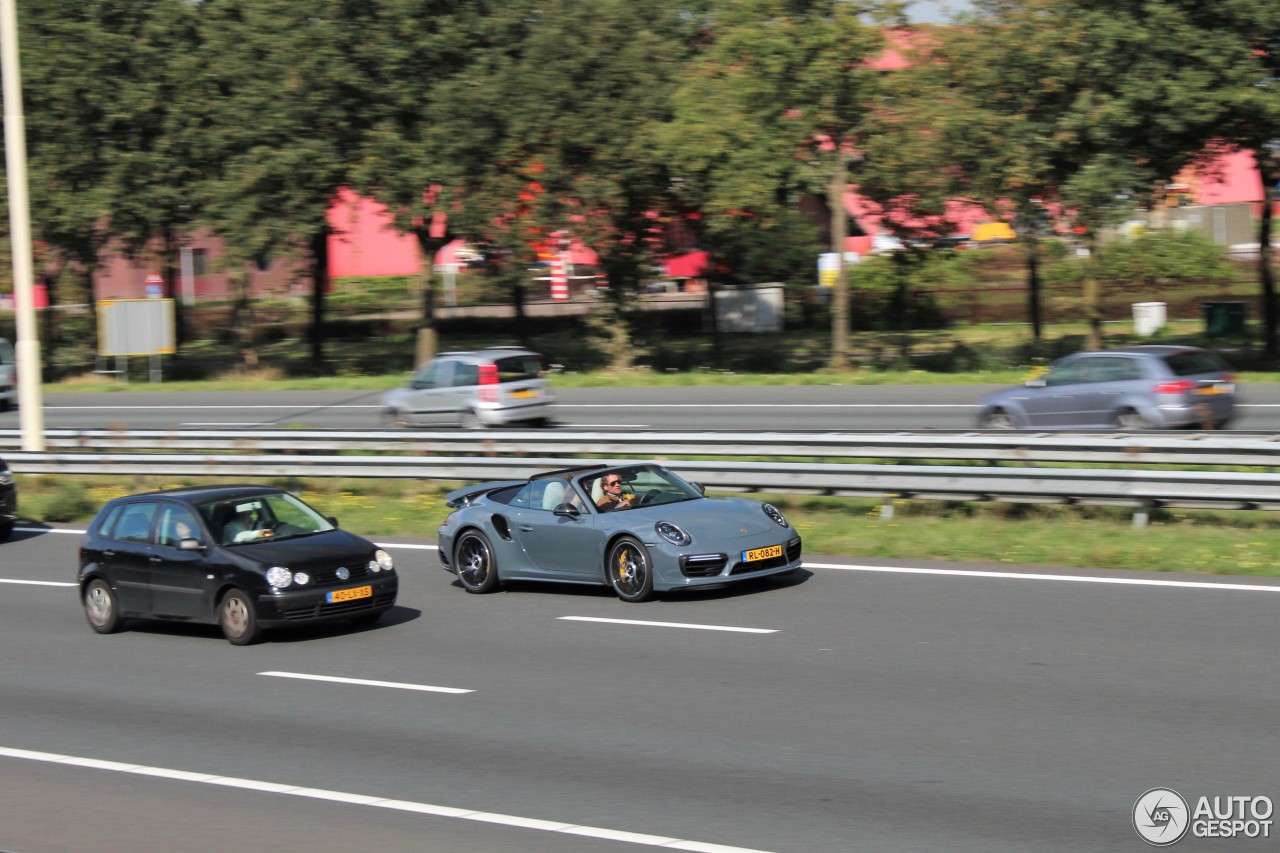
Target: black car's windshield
x=642, y=486
x=265, y=517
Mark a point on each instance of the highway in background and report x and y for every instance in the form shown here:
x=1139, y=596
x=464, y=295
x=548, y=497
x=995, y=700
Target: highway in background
x=913, y=707
x=878, y=408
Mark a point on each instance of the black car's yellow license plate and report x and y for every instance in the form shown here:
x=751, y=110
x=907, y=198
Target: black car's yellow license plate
x=340, y=595
x=761, y=553
x=524, y=392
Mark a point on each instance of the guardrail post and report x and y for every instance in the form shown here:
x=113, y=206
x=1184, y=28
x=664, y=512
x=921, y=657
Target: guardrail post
x=886, y=509
x=1142, y=514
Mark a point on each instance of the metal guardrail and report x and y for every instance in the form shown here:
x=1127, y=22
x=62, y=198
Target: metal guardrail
x=492, y=456
x=1125, y=449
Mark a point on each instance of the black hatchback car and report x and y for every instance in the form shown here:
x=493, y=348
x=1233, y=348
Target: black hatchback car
x=246, y=558
x=8, y=502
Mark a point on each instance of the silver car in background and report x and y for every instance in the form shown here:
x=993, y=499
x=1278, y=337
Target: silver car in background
x=1139, y=387
x=498, y=386
x=8, y=376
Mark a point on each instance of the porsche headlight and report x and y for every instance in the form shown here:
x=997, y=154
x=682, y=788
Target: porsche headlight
x=772, y=511
x=381, y=562
x=672, y=534
x=279, y=577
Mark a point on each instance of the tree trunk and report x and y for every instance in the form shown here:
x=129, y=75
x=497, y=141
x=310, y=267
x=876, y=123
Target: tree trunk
x=1092, y=308
x=242, y=319
x=840, y=291
x=1033, y=286
x=426, y=343
x=171, y=248
x=1269, y=177
x=320, y=286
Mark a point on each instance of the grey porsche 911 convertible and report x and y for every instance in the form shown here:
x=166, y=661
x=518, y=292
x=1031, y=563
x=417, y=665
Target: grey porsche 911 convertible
x=637, y=528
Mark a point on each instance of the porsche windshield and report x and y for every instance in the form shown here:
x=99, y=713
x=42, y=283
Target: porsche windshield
x=652, y=485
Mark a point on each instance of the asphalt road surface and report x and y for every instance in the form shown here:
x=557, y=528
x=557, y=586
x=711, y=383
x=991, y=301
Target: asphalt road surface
x=847, y=708
x=766, y=409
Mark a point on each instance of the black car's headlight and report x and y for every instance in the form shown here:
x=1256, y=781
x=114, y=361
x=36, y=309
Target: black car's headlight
x=6, y=478
x=772, y=511
x=279, y=577
x=672, y=534
x=381, y=562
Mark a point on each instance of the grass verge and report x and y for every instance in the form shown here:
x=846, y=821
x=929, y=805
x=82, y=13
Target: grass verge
x=1177, y=541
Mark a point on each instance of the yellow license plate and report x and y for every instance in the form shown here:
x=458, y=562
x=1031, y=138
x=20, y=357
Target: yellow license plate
x=761, y=553
x=1214, y=389
x=339, y=595
x=525, y=393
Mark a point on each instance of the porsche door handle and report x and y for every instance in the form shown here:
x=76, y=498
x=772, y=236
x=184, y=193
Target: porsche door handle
x=524, y=528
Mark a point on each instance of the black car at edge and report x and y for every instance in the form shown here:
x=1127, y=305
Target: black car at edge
x=247, y=558
x=8, y=502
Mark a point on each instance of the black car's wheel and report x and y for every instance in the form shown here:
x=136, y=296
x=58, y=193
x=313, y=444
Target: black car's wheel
x=100, y=607
x=997, y=419
x=6, y=530
x=629, y=570
x=238, y=619
x=1130, y=419
x=477, y=568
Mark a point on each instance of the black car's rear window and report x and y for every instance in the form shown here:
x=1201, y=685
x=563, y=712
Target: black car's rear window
x=516, y=367
x=1191, y=362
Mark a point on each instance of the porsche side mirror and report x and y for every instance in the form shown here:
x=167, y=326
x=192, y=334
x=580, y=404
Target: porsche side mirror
x=1035, y=383
x=567, y=510
x=702, y=490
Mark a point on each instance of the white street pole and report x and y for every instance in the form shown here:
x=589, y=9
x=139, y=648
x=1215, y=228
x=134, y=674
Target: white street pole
x=30, y=403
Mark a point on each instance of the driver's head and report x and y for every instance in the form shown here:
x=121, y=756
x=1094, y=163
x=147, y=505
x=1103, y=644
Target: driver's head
x=611, y=483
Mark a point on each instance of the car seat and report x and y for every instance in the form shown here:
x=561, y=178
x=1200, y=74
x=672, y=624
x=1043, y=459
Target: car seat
x=553, y=496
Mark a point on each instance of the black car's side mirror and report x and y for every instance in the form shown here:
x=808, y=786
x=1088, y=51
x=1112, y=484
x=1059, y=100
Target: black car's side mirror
x=190, y=545
x=332, y=519
x=567, y=510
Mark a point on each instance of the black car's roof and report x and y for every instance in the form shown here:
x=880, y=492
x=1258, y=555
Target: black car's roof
x=201, y=494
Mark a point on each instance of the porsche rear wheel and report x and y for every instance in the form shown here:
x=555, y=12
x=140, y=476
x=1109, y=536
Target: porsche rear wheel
x=477, y=569
x=629, y=569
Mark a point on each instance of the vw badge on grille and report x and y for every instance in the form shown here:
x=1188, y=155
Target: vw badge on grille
x=343, y=573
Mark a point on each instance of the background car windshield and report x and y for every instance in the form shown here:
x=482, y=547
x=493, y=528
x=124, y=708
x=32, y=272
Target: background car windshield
x=1191, y=362
x=516, y=367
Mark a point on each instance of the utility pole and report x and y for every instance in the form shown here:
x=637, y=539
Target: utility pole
x=30, y=404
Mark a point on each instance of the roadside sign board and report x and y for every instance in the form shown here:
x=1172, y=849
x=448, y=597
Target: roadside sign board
x=136, y=327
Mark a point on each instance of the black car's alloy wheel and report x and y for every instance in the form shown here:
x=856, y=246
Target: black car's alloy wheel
x=476, y=567
x=629, y=570
x=238, y=619
x=100, y=607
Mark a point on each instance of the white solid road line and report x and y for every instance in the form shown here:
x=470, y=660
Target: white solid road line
x=1230, y=587
x=668, y=624
x=513, y=821
x=364, y=682
x=36, y=583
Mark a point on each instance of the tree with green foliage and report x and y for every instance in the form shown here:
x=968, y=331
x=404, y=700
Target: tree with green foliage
x=282, y=100
x=774, y=104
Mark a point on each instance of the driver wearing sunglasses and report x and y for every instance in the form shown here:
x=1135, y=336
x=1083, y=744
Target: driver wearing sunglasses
x=613, y=497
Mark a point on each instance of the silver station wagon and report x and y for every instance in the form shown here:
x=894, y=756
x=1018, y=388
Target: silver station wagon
x=1140, y=387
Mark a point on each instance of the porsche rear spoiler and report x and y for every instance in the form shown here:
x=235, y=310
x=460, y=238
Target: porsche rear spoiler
x=459, y=498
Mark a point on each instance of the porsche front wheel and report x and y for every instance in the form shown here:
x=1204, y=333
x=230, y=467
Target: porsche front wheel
x=629, y=569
